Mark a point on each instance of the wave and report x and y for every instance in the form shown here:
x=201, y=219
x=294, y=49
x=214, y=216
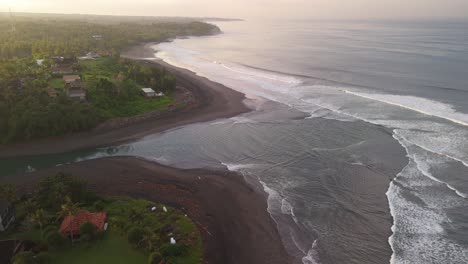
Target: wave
x=411, y=200
x=278, y=206
x=423, y=169
x=418, y=104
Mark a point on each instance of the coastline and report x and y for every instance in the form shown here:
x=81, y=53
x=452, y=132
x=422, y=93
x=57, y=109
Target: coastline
x=231, y=214
x=210, y=101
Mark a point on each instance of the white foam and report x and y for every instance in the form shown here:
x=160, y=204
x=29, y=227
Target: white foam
x=418, y=241
x=418, y=104
x=237, y=167
x=312, y=255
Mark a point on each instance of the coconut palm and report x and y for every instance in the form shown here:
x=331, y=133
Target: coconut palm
x=8, y=192
x=38, y=218
x=68, y=209
x=149, y=238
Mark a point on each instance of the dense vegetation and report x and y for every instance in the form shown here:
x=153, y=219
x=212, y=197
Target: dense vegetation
x=136, y=233
x=41, y=37
x=28, y=111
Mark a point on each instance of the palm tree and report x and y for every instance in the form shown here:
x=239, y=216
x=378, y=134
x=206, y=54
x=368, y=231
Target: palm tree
x=38, y=218
x=136, y=216
x=68, y=209
x=8, y=192
x=149, y=237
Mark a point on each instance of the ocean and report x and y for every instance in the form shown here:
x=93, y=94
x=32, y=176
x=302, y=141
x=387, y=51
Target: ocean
x=358, y=133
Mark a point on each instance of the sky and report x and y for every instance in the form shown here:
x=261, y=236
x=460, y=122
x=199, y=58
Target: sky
x=303, y=9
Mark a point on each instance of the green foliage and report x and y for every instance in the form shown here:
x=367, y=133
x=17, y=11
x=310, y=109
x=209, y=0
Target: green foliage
x=155, y=258
x=114, y=86
x=43, y=258
x=42, y=37
x=27, y=111
x=99, y=205
x=8, y=192
x=112, y=248
x=56, y=240
x=135, y=235
x=53, y=190
x=169, y=250
x=88, y=231
x=24, y=258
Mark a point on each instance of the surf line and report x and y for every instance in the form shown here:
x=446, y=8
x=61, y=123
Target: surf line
x=409, y=108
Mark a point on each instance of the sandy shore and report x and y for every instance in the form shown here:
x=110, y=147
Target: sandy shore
x=232, y=215
x=212, y=101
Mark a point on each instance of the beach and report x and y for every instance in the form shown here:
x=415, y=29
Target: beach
x=210, y=101
x=231, y=214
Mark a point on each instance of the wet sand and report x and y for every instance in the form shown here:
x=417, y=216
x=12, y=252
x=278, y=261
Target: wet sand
x=231, y=214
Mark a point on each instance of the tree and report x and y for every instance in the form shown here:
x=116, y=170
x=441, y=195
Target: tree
x=53, y=190
x=56, y=240
x=68, y=209
x=38, y=218
x=88, y=231
x=155, y=258
x=149, y=238
x=137, y=216
x=8, y=192
x=135, y=235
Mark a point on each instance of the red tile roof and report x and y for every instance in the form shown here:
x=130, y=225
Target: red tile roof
x=75, y=221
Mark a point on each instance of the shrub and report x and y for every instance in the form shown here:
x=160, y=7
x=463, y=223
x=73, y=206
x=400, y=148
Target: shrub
x=56, y=240
x=99, y=205
x=43, y=258
x=176, y=250
x=24, y=258
x=155, y=258
x=135, y=235
x=87, y=231
x=49, y=230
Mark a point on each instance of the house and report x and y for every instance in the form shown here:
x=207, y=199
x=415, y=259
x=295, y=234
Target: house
x=68, y=79
x=72, y=224
x=7, y=215
x=63, y=69
x=75, y=90
x=148, y=92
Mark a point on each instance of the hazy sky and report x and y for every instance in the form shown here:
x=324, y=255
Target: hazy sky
x=360, y=9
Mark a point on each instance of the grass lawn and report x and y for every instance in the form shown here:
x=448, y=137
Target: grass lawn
x=105, y=68
x=57, y=83
x=112, y=249
x=140, y=106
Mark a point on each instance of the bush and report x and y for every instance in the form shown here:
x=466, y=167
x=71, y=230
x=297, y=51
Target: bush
x=49, y=230
x=88, y=231
x=43, y=258
x=24, y=258
x=169, y=250
x=99, y=205
x=135, y=235
x=56, y=240
x=155, y=258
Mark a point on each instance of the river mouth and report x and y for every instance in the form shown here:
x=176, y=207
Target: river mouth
x=325, y=179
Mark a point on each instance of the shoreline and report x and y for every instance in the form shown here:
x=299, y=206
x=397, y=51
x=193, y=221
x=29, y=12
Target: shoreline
x=210, y=101
x=231, y=214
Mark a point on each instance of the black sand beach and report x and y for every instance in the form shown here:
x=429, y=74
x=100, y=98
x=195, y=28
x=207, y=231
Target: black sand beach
x=231, y=215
